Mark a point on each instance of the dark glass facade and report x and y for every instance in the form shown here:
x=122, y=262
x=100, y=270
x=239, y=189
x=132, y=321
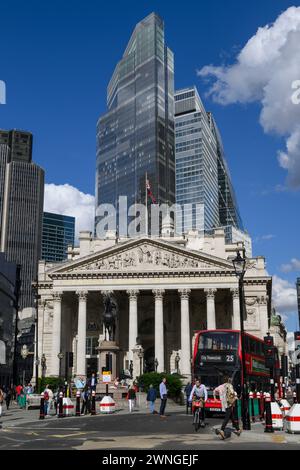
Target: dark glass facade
x=196, y=163
x=21, y=208
x=58, y=233
x=202, y=175
x=136, y=135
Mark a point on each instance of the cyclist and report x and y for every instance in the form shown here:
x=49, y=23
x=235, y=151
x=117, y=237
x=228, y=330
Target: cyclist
x=199, y=392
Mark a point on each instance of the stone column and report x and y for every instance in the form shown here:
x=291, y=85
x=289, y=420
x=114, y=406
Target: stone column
x=81, y=333
x=56, y=333
x=263, y=314
x=185, y=359
x=236, y=323
x=159, y=329
x=133, y=322
x=210, y=309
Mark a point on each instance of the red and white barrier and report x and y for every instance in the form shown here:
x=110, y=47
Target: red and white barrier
x=277, y=418
x=68, y=407
x=284, y=406
x=107, y=405
x=292, y=419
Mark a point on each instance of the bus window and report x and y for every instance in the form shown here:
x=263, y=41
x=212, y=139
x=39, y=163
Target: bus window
x=218, y=341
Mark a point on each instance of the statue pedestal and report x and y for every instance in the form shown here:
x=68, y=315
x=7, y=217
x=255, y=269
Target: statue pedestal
x=108, y=358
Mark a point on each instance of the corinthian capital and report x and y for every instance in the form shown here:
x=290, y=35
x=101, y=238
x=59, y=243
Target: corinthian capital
x=57, y=296
x=158, y=293
x=133, y=293
x=210, y=293
x=82, y=295
x=235, y=293
x=184, y=293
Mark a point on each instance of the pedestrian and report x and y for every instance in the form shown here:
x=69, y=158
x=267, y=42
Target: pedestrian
x=163, y=396
x=8, y=398
x=86, y=401
x=131, y=398
x=187, y=391
x=1, y=400
x=48, y=398
x=22, y=399
x=228, y=399
x=19, y=389
x=151, y=397
x=199, y=392
x=93, y=382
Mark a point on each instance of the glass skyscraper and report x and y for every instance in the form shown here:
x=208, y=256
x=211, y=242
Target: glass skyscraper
x=136, y=135
x=196, y=162
x=203, y=179
x=58, y=233
x=21, y=200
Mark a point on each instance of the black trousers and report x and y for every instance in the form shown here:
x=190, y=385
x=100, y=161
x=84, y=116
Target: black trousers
x=188, y=406
x=85, y=407
x=163, y=406
x=230, y=415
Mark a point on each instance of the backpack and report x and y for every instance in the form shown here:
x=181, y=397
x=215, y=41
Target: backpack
x=230, y=395
x=46, y=396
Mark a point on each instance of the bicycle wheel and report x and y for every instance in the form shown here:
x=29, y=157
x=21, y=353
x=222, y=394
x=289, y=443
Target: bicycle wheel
x=196, y=420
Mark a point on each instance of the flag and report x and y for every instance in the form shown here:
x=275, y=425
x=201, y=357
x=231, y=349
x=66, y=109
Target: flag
x=149, y=192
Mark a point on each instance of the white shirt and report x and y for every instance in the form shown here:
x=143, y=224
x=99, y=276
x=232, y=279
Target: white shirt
x=200, y=392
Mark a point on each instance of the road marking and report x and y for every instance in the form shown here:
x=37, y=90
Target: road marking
x=69, y=435
x=279, y=439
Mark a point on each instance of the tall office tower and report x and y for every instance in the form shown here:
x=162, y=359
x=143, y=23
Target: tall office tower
x=4, y=155
x=228, y=208
x=58, y=233
x=22, y=209
x=136, y=135
x=196, y=163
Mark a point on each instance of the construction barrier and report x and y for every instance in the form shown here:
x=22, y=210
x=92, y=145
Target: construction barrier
x=107, y=405
x=292, y=419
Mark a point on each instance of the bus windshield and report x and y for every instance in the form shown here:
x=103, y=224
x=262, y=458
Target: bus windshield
x=218, y=341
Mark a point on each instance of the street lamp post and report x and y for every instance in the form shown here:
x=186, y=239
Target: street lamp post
x=141, y=355
x=239, y=264
x=177, y=359
x=60, y=357
x=36, y=302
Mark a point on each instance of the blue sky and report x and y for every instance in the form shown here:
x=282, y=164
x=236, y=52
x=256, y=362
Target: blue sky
x=57, y=58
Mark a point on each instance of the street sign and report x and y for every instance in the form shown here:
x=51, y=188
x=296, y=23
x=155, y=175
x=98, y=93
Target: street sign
x=106, y=376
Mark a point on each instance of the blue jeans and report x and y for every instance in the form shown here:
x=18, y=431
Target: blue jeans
x=151, y=406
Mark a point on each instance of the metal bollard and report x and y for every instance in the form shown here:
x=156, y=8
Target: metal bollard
x=77, y=403
x=42, y=407
x=268, y=419
x=294, y=397
x=60, y=405
x=251, y=406
x=93, y=408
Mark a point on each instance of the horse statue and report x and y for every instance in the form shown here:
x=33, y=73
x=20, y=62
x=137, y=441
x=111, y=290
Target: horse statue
x=110, y=315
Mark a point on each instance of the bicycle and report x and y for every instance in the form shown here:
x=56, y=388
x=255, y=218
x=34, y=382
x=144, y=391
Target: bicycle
x=197, y=406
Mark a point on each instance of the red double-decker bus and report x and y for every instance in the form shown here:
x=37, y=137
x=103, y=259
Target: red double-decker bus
x=217, y=353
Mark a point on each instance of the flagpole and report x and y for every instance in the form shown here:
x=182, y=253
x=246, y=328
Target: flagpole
x=146, y=201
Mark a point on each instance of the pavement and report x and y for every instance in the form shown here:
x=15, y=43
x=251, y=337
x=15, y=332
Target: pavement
x=22, y=429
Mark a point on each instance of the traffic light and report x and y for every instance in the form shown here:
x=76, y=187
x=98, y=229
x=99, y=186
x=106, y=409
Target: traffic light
x=269, y=351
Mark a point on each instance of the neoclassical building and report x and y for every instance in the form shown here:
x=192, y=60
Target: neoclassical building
x=166, y=289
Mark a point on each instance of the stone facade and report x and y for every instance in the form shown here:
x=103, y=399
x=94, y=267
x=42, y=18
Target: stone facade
x=166, y=289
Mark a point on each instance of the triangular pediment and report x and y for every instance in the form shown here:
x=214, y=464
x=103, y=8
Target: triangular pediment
x=142, y=255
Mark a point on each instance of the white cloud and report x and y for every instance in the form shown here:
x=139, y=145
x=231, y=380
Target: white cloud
x=284, y=296
x=293, y=265
x=266, y=237
x=264, y=71
x=67, y=200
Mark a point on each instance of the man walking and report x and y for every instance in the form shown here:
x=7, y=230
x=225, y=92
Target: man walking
x=228, y=398
x=163, y=396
